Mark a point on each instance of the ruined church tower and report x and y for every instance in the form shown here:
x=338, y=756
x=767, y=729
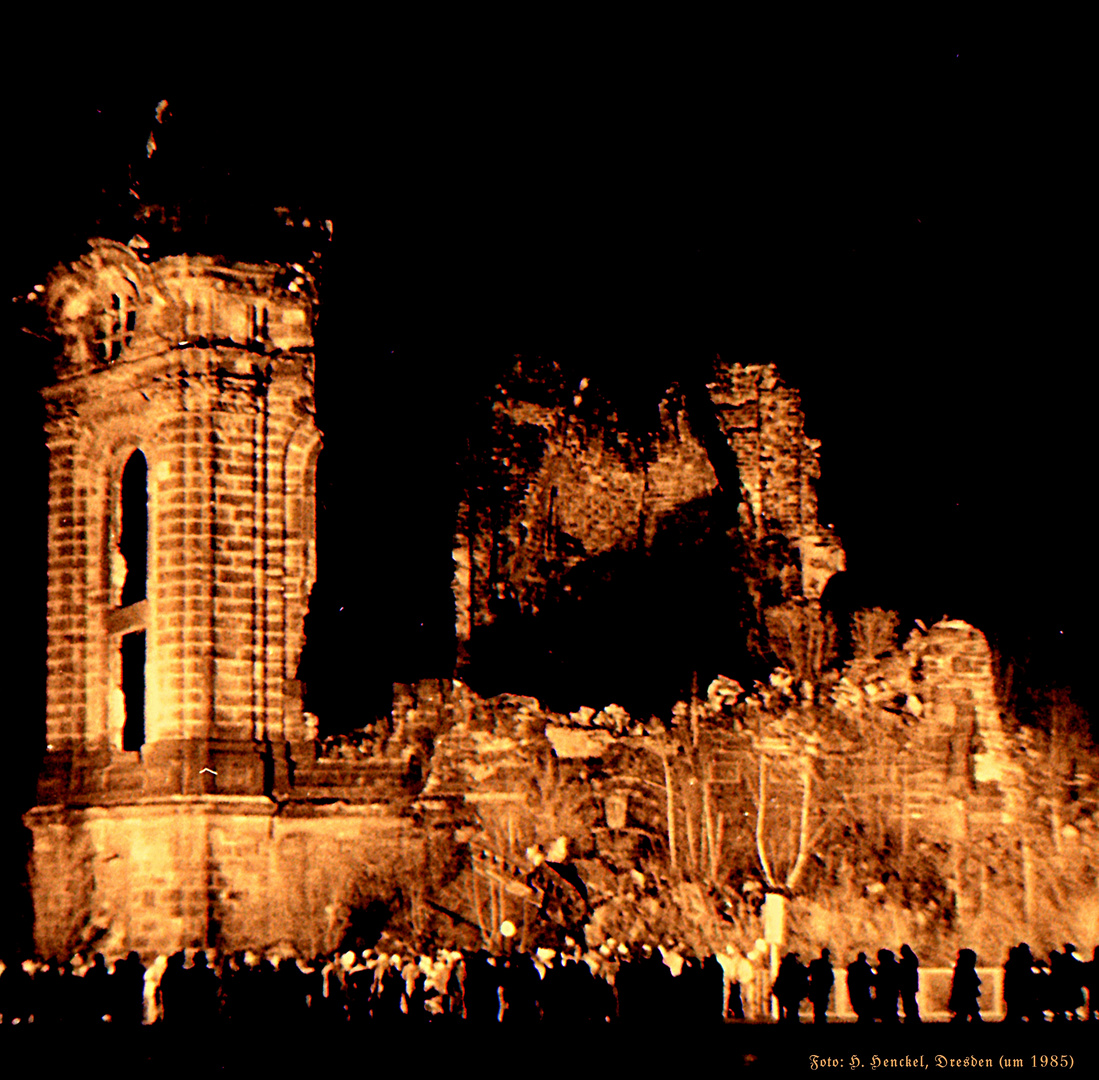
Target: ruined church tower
x=180, y=789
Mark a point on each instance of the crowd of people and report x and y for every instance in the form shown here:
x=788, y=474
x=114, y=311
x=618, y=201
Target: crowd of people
x=615, y=983
x=1033, y=990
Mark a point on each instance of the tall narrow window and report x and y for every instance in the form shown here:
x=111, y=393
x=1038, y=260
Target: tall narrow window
x=128, y=620
x=133, y=690
x=133, y=543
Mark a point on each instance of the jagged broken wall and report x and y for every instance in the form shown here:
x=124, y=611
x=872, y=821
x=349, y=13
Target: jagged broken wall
x=562, y=497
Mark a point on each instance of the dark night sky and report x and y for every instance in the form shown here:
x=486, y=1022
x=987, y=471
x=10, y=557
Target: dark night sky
x=900, y=235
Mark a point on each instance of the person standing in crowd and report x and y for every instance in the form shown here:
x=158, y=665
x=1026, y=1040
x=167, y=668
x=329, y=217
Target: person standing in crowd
x=965, y=989
x=1091, y=981
x=1071, y=992
x=821, y=980
x=732, y=998
x=125, y=988
x=887, y=983
x=860, y=979
x=791, y=985
x=1019, y=985
x=712, y=989
x=909, y=977
x=15, y=993
x=47, y=993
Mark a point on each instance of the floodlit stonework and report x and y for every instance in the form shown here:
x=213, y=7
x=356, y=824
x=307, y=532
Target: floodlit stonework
x=571, y=486
x=181, y=800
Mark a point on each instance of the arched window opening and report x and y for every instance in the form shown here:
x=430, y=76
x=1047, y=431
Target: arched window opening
x=133, y=690
x=127, y=620
x=134, y=539
x=116, y=328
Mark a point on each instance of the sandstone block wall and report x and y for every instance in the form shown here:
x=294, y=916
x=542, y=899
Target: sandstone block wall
x=211, y=381
x=230, y=873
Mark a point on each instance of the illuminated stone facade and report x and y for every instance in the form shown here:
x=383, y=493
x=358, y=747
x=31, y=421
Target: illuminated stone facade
x=561, y=482
x=181, y=801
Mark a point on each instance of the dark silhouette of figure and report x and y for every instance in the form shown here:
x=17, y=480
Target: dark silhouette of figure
x=15, y=994
x=604, y=1002
x=359, y=983
x=860, y=978
x=173, y=991
x=126, y=1003
x=290, y=992
x=96, y=991
x=909, y=976
x=887, y=986
x=965, y=989
x=1091, y=981
x=1043, y=990
x=821, y=980
x=333, y=992
x=1071, y=991
x=60, y=996
x=791, y=985
x=525, y=985
x=202, y=992
x=552, y=991
x=1019, y=997
x=47, y=993
x=481, y=989
x=625, y=989
x=687, y=991
x=712, y=990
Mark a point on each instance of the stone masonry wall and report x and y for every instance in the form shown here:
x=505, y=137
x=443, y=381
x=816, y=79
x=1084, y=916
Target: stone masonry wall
x=565, y=485
x=779, y=465
x=227, y=872
x=215, y=388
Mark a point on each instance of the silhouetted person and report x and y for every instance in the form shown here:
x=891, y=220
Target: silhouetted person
x=965, y=989
x=1043, y=990
x=860, y=978
x=289, y=981
x=821, y=980
x=127, y=988
x=333, y=1001
x=625, y=989
x=47, y=994
x=908, y=974
x=359, y=982
x=482, y=989
x=1091, y=981
x=521, y=985
x=660, y=986
x=1019, y=985
x=687, y=991
x=63, y=994
x=791, y=985
x=712, y=990
x=887, y=985
x=16, y=990
x=173, y=991
x=202, y=992
x=1071, y=990
x=96, y=991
